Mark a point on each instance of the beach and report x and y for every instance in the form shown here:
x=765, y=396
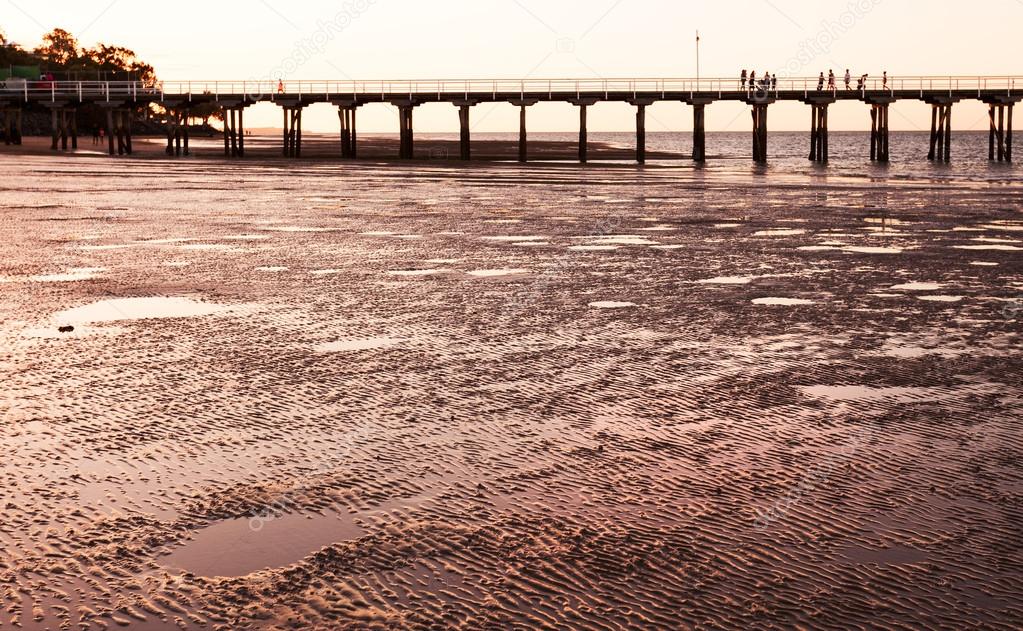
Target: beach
x=375, y=395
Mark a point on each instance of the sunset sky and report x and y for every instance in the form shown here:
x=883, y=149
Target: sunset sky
x=516, y=39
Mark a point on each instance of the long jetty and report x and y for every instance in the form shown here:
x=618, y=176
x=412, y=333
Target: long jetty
x=179, y=98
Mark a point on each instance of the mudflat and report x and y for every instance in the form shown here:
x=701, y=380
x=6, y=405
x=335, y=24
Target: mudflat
x=422, y=396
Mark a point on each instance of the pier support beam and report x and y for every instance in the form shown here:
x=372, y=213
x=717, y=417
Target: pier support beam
x=406, y=144
x=522, y=134
x=118, y=129
x=760, y=133
x=699, y=133
x=1008, y=135
x=177, y=132
x=464, y=142
x=12, y=126
x=641, y=134
x=346, y=114
x=819, y=133
x=1000, y=136
x=879, y=133
x=522, y=105
x=941, y=130
x=641, y=105
x=234, y=131
x=292, y=134
x=583, y=140
x=583, y=104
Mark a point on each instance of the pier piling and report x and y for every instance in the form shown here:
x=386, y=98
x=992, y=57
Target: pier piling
x=940, y=148
x=760, y=133
x=406, y=145
x=522, y=134
x=463, y=124
x=699, y=133
x=1000, y=128
x=346, y=114
x=641, y=134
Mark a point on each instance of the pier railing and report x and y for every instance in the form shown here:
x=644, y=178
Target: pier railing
x=28, y=90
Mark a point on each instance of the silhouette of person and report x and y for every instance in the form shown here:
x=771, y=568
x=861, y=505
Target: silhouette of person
x=884, y=80
x=848, y=78
x=752, y=79
x=820, y=82
x=774, y=82
x=742, y=79
x=280, y=86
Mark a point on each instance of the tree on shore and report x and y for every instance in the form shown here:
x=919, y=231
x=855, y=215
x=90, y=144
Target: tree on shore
x=60, y=52
x=59, y=47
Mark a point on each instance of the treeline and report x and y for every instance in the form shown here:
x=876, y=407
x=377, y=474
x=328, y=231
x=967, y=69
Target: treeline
x=61, y=55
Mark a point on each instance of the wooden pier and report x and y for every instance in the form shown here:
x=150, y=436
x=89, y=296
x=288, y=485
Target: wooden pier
x=119, y=99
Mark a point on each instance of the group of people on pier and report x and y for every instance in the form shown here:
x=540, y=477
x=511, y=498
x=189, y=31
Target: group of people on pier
x=767, y=82
x=749, y=81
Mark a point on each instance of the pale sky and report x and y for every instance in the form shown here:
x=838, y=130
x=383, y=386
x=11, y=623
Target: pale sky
x=514, y=39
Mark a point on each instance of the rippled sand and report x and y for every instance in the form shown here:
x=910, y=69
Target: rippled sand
x=345, y=396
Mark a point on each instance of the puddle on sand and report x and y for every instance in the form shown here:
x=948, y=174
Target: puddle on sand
x=442, y=261
x=118, y=309
x=667, y=247
x=624, y=240
x=786, y=302
x=492, y=273
x=998, y=248
x=271, y=270
x=983, y=264
x=592, y=248
x=727, y=280
x=610, y=304
x=783, y=232
x=514, y=238
x=917, y=287
x=364, y=344
x=941, y=298
x=239, y=547
x=413, y=272
x=294, y=229
x=873, y=250
x=70, y=276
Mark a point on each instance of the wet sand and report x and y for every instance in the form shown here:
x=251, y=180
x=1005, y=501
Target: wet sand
x=357, y=396
x=428, y=147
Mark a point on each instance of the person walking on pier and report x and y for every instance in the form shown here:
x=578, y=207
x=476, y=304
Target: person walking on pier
x=752, y=78
x=742, y=80
x=884, y=80
x=774, y=82
x=280, y=86
x=831, y=81
x=820, y=83
x=848, y=79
